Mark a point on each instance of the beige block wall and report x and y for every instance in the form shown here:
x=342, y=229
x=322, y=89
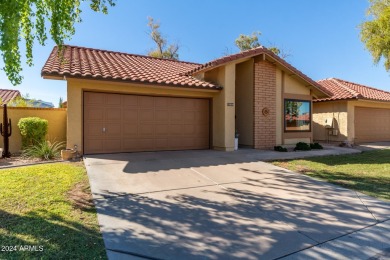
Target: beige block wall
x=75, y=88
x=337, y=110
x=244, y=102
x=56, y=118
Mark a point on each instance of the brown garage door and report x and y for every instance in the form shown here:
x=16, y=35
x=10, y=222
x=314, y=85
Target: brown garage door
x=129, y=123
x=372, y=124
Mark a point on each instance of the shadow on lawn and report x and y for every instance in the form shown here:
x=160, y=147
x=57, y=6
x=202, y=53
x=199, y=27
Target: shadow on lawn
x=249, y=221
x=370, y=185
x=60, y=238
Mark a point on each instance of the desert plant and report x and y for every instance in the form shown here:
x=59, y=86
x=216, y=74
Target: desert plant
x=33, y=130
x=44, y=150
x=316, y=146
x=280, y=148
x=301, y=146
x=6, y=132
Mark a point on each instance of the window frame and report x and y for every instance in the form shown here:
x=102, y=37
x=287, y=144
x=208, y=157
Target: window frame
x=284, y=115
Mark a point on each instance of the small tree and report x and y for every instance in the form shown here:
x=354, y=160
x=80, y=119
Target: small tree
x=33, y=130
x=162, y=50
x=60, y=103
x=375, y=33
x=247, y=42
x=22, y=101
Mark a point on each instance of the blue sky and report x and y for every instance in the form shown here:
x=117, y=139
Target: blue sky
x=321, y=36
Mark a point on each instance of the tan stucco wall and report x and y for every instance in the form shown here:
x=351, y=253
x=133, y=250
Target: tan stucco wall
x=223, y=115
x=244, y=102
x=287, y=87
x=293, y=86
x=56, y=118
x=337, y=110
x=76, y=87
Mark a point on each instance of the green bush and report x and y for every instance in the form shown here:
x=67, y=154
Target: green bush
x=44, y=150
x=33, y=130
x=316, y=146
x=280, y=148
x=301, y=146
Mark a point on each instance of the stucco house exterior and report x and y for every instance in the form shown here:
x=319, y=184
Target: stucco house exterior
x=119, y=102
x=354, y=113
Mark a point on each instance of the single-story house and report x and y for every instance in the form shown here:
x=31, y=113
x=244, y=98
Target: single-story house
x=119, y=102
x=354, y=113
x=6, y=95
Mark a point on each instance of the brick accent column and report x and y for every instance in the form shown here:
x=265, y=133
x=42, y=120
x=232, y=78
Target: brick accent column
x=264, y=97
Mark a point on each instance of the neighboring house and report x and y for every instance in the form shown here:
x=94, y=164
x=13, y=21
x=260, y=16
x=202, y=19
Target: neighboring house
x=119, y=102
x=358, y=113
x=39, y=103
x=6, y=95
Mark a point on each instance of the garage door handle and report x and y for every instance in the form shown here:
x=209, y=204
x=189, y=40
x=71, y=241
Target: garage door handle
x=104, y=130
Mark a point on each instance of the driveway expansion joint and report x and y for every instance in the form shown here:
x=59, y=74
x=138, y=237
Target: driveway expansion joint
x=372, y=214
x=332, y=239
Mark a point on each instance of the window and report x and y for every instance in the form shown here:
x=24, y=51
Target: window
x=297, y=115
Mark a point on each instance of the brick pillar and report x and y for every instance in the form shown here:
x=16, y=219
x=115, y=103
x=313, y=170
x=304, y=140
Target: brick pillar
x=264, y=98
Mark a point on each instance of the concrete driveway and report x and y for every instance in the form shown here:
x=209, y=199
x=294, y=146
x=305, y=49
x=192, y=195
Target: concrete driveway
x=217, y=205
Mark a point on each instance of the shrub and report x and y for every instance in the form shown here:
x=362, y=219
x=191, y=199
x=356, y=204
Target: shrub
x=301, y=146
x=280, y=148
x=44, y=150
x=316, y=146
x=33, y=130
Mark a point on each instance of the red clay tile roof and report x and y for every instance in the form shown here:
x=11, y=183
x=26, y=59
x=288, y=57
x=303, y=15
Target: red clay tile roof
x=342, y=90
x=6, y=95
x=80, y=62
x=255, y=52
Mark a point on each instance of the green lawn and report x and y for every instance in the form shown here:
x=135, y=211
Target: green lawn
x=48, y=206
x=368, y=172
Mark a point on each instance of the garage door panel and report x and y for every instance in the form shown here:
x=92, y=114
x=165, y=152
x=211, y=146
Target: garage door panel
x=145, y=130
x=113, y=114
x=94, y=98
x=130, y=101
x=189, y=130
x=162, y=144
x=113, y=130
x=145, y=102
x=94, y=129
x=94, y=145
x=129, y=130
x=162, y=129
x=111, y=145
x=176, y=116
x=94, y=113
x=144, y=123
x=162, y=115
x=130, y=115
x=372, y=124
x=175, y=129
x=146, y=115
x=113, y=99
